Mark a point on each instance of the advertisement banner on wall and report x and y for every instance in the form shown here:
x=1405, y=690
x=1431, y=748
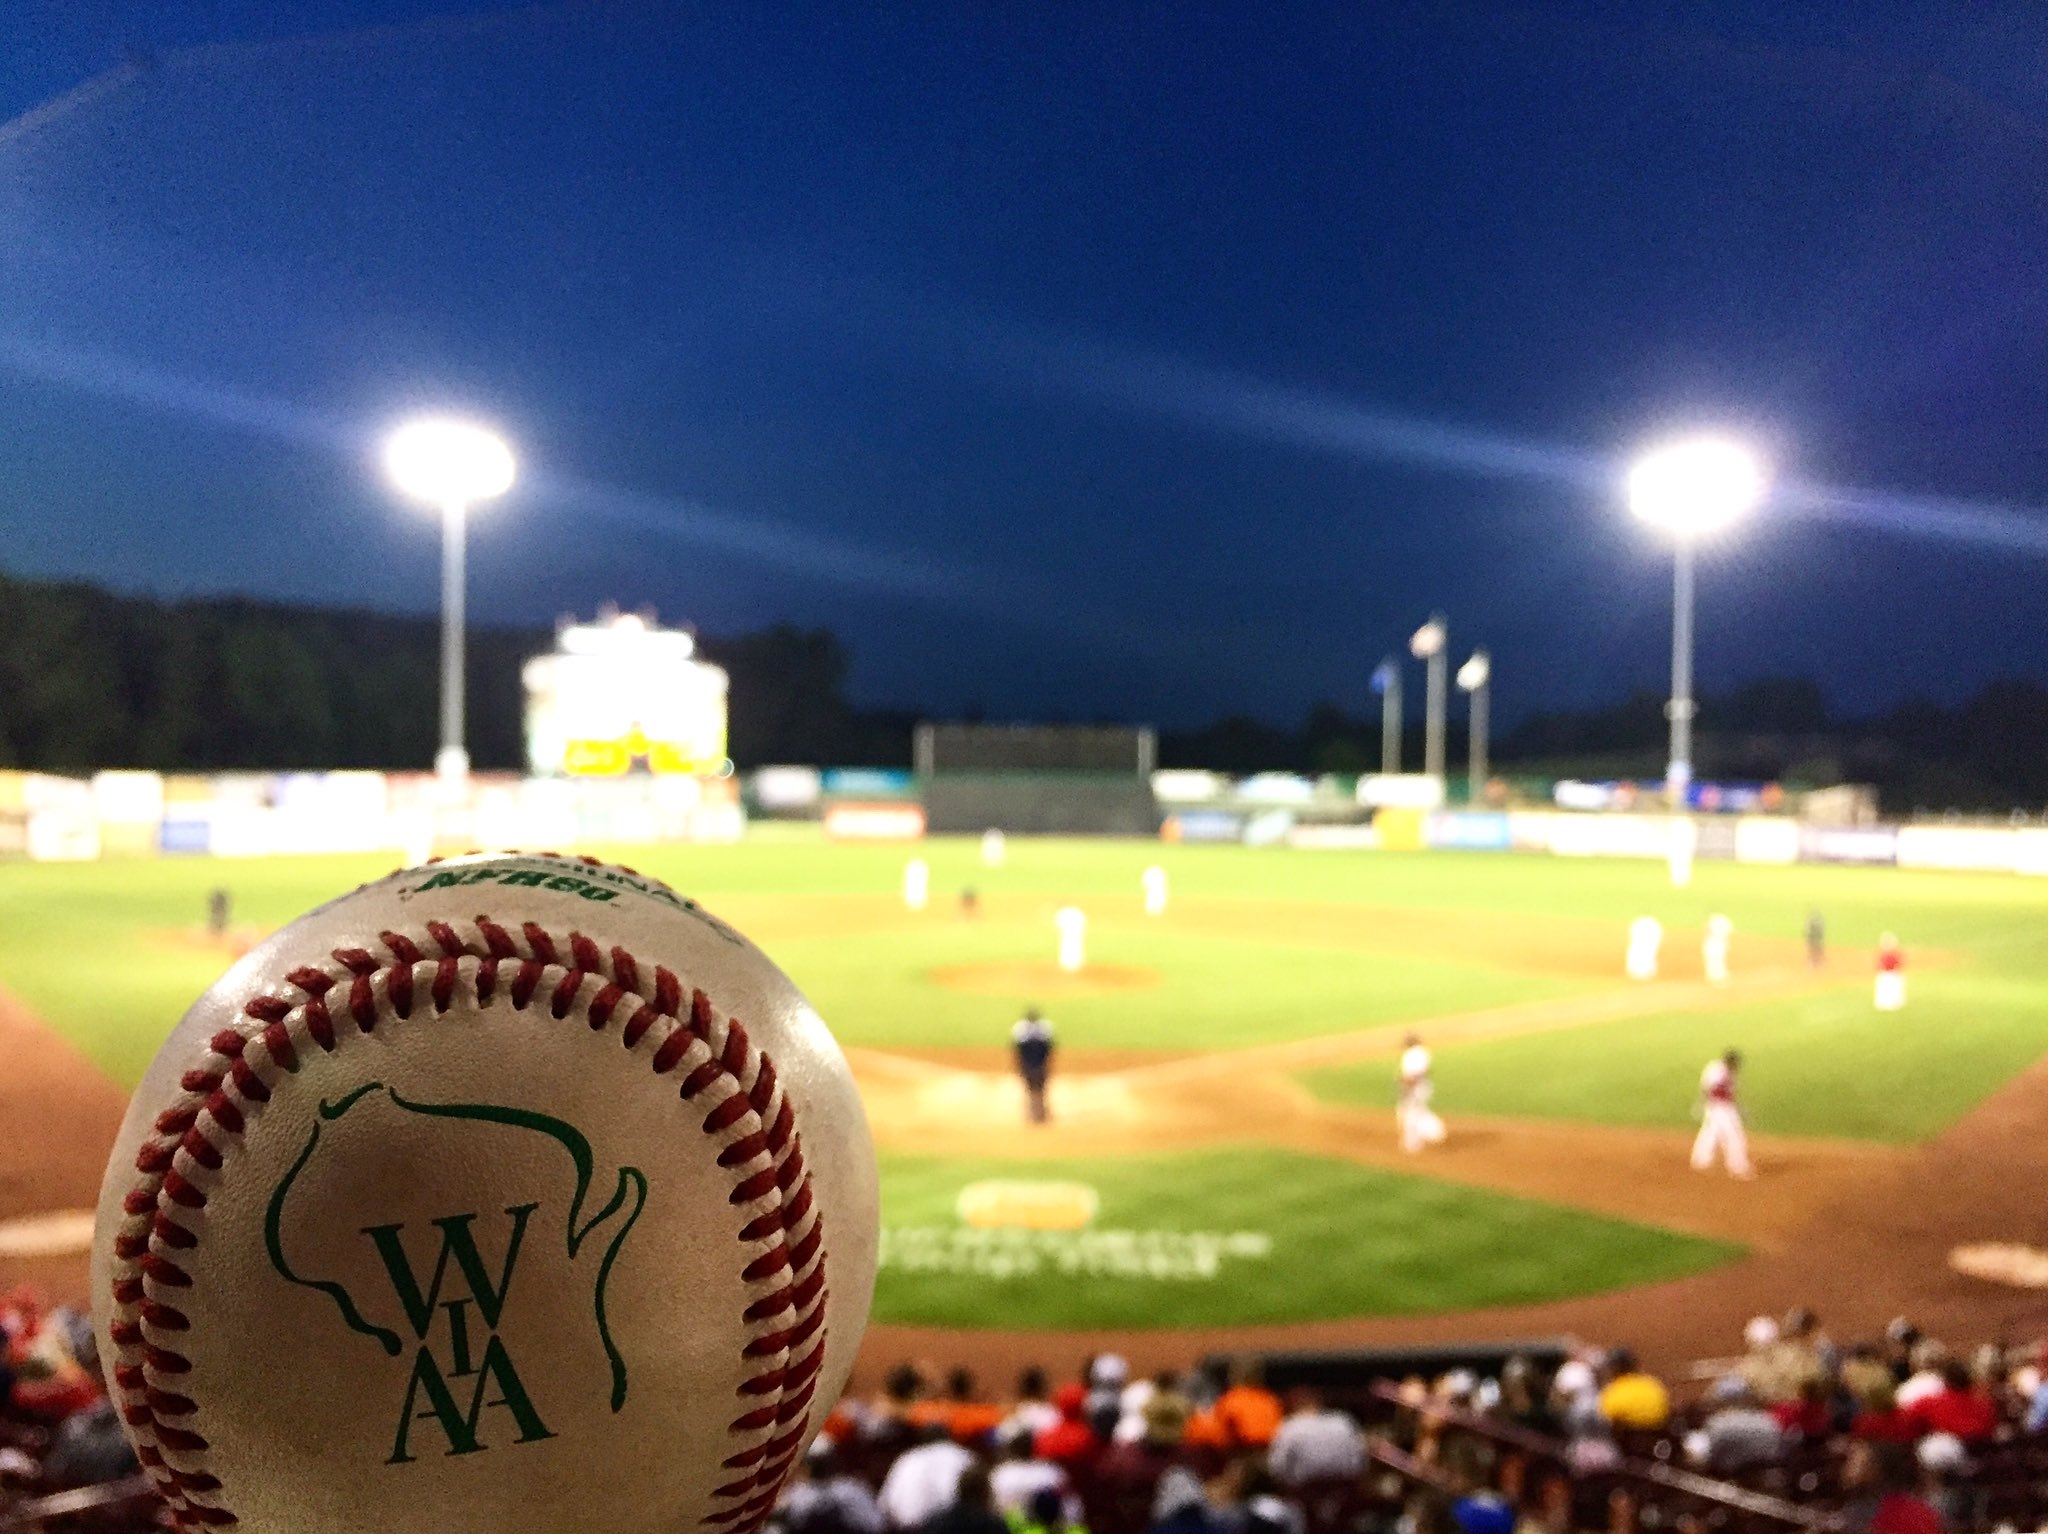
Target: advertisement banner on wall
x=1468, y=831
x=1611, y=836
x=868, y=783
x=788, y=788
x=1845, y=844
x=1202, y=826
x=1335, y=838
x=1958, y=847
x=853, y=821
x=1766, y=839
x=1401, y=791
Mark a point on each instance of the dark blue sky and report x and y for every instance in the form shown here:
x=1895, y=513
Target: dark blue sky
x=1145, y=361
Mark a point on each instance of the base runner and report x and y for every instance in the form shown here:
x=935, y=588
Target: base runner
x=1721, y=1130
x=1417, y=1122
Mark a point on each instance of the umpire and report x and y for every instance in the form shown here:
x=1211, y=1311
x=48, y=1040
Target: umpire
x=1032, y=1041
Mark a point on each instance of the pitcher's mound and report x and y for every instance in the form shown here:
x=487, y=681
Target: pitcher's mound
x=1046, y=980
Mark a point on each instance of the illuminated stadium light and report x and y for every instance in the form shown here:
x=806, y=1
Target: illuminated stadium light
x=1691, y=488
x=1696, y=486
x=450, y=464
x=447, y=462
x=1427, y=644
x=1474, y=677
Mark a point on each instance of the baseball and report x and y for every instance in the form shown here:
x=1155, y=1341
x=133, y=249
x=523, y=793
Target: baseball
x=510, y=1192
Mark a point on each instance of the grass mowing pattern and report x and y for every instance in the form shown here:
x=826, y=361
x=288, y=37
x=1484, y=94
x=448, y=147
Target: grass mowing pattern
x=1346, y=1241
x=82, y=945
x=1825, y=1065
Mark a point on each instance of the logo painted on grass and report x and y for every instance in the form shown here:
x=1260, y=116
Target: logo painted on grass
x=445, y=1282
x=1004, y=1204
x=1017, y=1229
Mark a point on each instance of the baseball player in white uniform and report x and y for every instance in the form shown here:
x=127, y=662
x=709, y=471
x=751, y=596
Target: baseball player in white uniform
x=1416, y=1120
x=1721, y=1130
x=1714, y=949
x=1645, y=937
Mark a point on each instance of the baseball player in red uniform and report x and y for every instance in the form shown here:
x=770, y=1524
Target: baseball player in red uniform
x=1721, y=1130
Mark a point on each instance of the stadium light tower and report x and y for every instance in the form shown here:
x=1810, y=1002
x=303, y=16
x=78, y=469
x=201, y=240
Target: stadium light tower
x=1386, y=681
x=1475, y=677
x=1692, y=489
x=452, y=465
x=1427, y=644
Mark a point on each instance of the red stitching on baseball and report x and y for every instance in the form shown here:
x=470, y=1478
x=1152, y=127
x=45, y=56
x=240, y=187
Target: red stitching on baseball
x=230, y=1083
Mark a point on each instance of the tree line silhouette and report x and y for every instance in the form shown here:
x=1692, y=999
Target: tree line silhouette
x=90, y=678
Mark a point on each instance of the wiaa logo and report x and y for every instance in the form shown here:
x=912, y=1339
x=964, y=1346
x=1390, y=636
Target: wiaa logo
x=450, y=1278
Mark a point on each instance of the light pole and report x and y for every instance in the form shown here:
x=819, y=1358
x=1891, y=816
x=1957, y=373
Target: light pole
x=1427, y=644
x=1474, y=677
x=1386, y=681
x=1692, y=489
x=452, y=465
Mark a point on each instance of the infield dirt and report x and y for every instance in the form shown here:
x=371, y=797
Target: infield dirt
x=1859, y=1231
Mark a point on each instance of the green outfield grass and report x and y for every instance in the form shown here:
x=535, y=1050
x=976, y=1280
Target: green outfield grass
x=1211, y=993
x=1824, y=1065
x=96, y=950
x=1339, y=1240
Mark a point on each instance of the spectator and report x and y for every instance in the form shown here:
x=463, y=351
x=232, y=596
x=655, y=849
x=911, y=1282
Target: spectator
x=1928, y=1358
x=1477, y=1508
x=887, y=1424
x=1069, y=1443
x=1738, y=1434
x=1522, y=1398
x=824, y=1499
x=923, y=1480
x=1130, y=1426
x=1181, y=1506
x=972, y=1510
x=1868, y=1379
x=1033, y=1412
x=1960, y=1407
x=1021, y=1475
x=1878, y=1479
x=1127, y=1475
x=1760, y=1359
x=1631, y=1399
x=1315, y=1444
x=971, y=1420
x=1108, y=1375
x=48, y=1380
x=1259, y=1508
x=1046, y=1513
x=1810, y=1416
x=1944, y=1462
x=1245, y=1416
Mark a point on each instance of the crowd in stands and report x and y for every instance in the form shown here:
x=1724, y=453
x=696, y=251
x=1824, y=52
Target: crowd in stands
x=1893, y=1435
x=58, y=1431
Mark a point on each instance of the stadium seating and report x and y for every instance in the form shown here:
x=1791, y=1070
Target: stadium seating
x=1462, y=1441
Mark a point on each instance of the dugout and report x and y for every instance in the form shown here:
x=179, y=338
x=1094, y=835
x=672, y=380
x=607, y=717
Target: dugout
x=1037, y=780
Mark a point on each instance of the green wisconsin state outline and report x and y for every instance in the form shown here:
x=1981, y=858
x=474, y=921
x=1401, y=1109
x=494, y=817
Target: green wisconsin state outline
x=632, y=1187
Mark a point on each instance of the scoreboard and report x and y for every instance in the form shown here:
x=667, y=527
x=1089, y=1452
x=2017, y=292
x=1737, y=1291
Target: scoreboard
x=623, y=695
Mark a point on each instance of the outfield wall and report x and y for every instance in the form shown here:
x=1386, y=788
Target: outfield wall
x=411, y=815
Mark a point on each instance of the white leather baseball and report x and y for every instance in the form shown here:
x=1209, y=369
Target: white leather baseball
x=512, y=1192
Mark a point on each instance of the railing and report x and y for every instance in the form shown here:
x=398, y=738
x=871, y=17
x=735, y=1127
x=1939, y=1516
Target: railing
x=1686, y=1483
x=30, y=1516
